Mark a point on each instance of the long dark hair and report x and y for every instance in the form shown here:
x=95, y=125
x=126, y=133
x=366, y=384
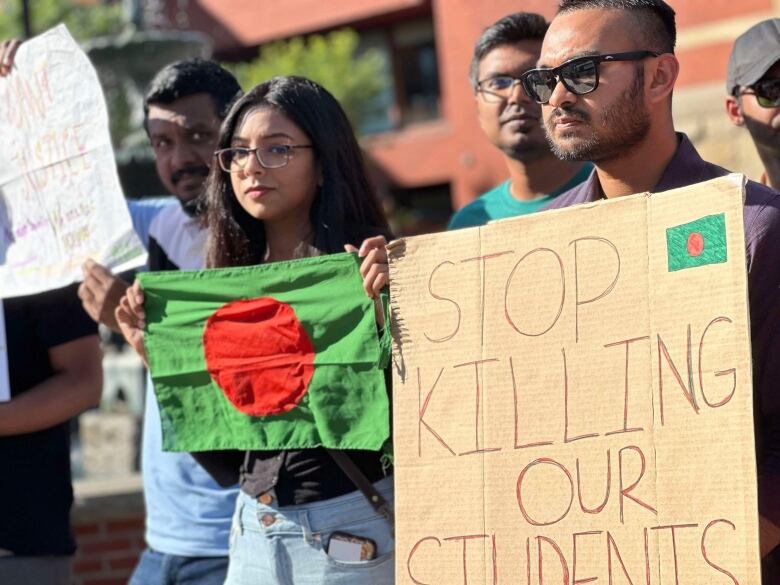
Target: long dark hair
x=346, y=208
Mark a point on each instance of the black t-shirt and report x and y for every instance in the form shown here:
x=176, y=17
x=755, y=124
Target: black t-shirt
x=35, y=484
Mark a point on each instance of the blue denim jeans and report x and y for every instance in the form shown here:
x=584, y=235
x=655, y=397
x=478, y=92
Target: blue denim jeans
x=156, y=568
x=286, y=546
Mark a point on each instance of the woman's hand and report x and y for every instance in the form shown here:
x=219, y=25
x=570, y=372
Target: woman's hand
x=131, y=318
x=374, y=270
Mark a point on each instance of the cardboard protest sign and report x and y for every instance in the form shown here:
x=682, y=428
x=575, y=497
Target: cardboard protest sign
x=572, y=396
x=60, y=199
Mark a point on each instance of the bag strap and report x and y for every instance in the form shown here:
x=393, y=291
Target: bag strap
x=377, y=500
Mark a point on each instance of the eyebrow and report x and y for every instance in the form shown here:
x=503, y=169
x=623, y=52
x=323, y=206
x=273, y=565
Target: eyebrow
x=586, y=53
x=264, y=137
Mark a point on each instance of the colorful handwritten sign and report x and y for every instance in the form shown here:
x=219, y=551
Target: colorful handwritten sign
x=572, y=404
x=60, y=199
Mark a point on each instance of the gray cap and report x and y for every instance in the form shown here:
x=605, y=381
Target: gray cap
x=754, y=53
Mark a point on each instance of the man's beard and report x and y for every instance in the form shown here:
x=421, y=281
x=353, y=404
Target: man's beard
x=625, y=123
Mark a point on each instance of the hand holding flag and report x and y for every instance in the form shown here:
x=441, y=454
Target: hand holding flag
x=131, y=318
x=374, y=270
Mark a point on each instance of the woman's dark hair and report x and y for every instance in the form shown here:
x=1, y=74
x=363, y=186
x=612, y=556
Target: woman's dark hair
x=345, y=209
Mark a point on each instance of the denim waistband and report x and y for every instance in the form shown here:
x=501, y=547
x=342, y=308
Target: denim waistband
x=318, y=516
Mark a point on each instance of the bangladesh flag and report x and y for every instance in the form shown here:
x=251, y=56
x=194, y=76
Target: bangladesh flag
x=697, y=243
x=278, y=356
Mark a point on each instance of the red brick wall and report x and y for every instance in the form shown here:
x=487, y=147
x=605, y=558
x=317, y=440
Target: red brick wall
x=108, y=550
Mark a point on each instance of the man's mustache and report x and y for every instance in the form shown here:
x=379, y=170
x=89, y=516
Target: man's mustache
x=192, y=170
x=568, y=113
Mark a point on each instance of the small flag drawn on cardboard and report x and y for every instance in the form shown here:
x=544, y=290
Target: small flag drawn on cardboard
x=697, y=243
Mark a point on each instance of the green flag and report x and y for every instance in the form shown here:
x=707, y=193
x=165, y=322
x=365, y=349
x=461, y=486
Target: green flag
x=278, y=356
x=697, y=243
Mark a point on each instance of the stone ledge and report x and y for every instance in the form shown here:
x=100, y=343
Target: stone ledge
x=97, y=499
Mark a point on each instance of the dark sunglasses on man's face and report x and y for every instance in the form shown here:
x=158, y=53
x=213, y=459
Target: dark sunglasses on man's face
x=767, y=92
x=579, y=76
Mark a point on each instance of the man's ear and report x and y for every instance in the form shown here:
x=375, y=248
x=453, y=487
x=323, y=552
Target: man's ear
x=663, y=77
x=734, y=111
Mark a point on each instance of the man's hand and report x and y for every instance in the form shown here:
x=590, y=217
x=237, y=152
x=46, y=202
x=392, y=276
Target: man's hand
x=100, y=294
x=7, y=52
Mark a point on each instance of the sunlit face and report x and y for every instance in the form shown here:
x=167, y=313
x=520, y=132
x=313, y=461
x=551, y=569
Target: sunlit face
x=279, y=194
x=184, y=136
x=512, y=124
x=610, y=121
x=763, y=123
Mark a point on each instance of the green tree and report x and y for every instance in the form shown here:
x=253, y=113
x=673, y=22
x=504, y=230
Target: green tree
x=333, y=60
x=83, y=21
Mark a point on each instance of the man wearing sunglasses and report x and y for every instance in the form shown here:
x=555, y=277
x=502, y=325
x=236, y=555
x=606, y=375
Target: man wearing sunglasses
x=605, y=79
x=512, y=122
x=753, y=84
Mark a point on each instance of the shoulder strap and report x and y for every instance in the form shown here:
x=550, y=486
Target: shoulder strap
x=377, y=501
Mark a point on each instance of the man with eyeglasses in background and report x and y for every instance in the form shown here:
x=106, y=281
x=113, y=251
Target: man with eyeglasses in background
x=512, y=122
x=753, y=84
x=605, y=79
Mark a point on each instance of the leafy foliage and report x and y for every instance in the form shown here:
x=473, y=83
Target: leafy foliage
x=84, y=21
x=333, y=60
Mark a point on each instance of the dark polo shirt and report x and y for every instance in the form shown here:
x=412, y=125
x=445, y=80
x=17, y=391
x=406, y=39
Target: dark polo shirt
x=762, y=243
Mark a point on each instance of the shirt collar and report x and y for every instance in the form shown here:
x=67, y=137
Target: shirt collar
x=685, y=168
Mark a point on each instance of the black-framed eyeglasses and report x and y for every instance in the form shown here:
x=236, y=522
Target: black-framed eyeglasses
x=767, y=92
x=579, y=76
x=274, y=156
x=498, y=88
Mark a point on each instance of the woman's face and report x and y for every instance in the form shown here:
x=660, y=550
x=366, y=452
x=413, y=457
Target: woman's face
x=277, y=194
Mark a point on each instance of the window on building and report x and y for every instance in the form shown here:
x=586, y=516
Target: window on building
x=410, y=66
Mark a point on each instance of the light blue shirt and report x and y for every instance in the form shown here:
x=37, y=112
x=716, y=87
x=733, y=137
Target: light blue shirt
x=187, y=513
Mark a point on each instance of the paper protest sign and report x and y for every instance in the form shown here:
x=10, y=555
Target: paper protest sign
x=60, y=198
x=572, y=396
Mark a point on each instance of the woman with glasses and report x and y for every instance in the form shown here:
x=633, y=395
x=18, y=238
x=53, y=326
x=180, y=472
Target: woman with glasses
x=289, y=183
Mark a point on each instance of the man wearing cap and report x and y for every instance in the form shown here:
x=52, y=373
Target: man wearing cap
x=753, y=85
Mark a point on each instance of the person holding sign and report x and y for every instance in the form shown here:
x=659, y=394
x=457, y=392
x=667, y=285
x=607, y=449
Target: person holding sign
x=50, y=371
x=187, y=513
x=605, y=80
x=290, y=183
x=512, y=122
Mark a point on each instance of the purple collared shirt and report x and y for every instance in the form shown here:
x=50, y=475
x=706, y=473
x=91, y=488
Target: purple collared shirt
x=762, y=243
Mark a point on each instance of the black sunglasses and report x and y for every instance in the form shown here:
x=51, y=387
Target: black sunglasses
x=579, y=76
x=767, y=92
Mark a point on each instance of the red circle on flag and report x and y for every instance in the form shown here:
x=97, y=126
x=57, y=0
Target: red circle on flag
x=695, y=244
x=259, y=354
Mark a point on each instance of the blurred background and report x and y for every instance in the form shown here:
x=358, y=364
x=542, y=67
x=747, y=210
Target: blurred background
x=400, y=68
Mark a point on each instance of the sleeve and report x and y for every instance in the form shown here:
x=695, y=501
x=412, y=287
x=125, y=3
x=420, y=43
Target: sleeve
x=143, y=211
x=59, y=317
